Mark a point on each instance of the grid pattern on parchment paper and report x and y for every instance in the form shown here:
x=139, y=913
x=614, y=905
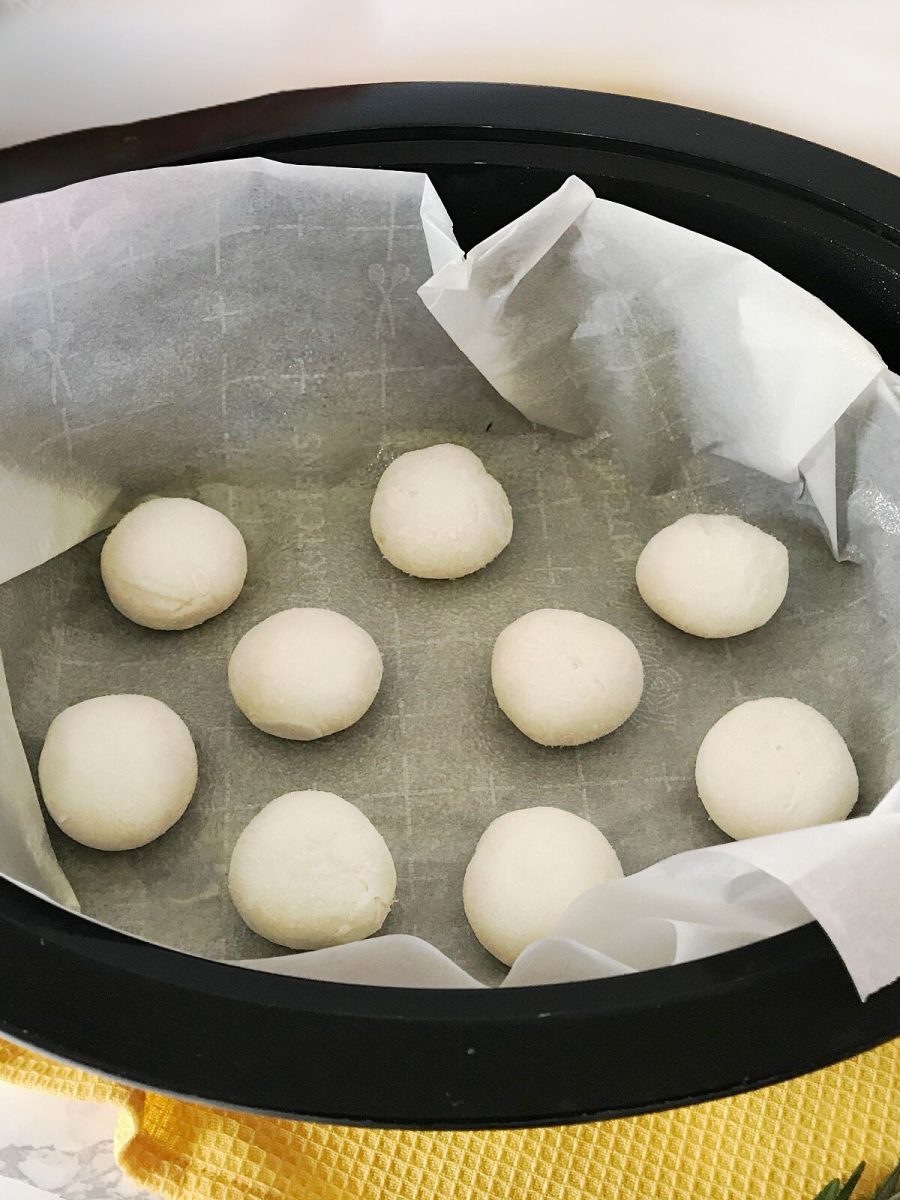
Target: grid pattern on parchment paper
x=296, y=419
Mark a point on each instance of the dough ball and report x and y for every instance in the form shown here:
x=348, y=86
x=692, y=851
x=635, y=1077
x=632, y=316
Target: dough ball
x=773, y=765
x=117, y=771
x=714, y=576
x=311, y=870
x=528, y=867
x=564, y=678
x=172, y=564
x=437, y=513
x=304, y=673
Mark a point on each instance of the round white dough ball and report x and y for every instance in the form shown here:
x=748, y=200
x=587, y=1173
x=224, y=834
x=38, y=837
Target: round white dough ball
x=304, y=673
x=528, y=867
x=172, y=564
x=772, y=765
x=564, y=678
x=310, y=871
x=713, y=575
x=437, y=513
x=117, y=771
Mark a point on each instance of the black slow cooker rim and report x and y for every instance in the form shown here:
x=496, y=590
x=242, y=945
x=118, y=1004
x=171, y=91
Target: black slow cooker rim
x=522, y=114
x=195, y=1028
x=443, y=1058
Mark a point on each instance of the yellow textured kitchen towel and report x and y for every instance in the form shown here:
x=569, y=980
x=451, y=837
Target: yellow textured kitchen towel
x=781, y=1142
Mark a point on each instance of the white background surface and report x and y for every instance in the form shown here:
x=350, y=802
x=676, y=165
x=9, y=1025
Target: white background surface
x=824, y=69
x=51, y=1147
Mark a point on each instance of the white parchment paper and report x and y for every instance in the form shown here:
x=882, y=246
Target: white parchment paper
x=249, y=333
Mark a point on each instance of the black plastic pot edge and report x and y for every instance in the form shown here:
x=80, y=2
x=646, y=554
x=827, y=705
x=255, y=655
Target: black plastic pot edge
x=151, y=988
x=273, y=125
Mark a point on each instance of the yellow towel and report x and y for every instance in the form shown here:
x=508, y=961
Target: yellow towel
x=784, y=1141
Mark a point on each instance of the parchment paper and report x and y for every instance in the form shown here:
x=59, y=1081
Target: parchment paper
x=248, y=333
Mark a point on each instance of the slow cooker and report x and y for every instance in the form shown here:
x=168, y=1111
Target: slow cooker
x=423, y=1058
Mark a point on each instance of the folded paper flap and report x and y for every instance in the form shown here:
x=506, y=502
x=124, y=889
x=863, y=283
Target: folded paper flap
x=507, y=255
x=381, y=962
x=586, y=314
x=503, y=260
x=560, y=959
x=704, y=901
x=26, y=855
x=443, y=249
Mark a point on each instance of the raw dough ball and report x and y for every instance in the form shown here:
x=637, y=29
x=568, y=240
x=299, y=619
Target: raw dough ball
x=311, y=870
x=528, y=867
x=772, y=765
x=564, y=678
x=712, y=575
x=172, y=564
x=437, y=513
x=304, y=673
x=117, y=771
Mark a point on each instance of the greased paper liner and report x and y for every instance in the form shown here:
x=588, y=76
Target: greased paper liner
x=248, y=333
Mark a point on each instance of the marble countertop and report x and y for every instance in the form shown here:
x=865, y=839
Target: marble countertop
x=50, y=1147
x=804, y=68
